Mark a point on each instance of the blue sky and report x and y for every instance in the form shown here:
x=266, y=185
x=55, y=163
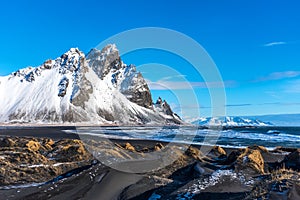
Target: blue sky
x=255, y=44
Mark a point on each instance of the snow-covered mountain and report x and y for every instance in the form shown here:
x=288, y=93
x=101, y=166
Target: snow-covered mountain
x=97, y=88
x=229, y=122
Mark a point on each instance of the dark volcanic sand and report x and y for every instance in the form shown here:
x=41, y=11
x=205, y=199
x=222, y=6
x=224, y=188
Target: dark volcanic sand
x=55, y=132
x=64, y=169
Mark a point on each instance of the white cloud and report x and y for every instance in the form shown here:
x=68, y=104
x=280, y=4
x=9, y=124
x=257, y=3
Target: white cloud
x=274, y=44
x=181, y=76
x=278, y=75
x=183, y=85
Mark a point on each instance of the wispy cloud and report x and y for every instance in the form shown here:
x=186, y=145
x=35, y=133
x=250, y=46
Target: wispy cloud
x=183, y=85
x=239, y=105
x=273, y=94
x=191, y=106
x=278, y=76
x=274, y=44
x=180, y=76
x=293, y=87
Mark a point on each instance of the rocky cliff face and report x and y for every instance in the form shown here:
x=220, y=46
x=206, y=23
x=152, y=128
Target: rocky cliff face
x=163, y=107
x=125, y=77
x=135, y=88
x=104, y=61
x=97, y=88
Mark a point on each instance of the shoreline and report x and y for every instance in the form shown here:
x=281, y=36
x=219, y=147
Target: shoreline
x=69, y=132
x=57, y=125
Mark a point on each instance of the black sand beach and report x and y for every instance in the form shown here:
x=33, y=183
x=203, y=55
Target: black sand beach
x=53, y=132
x=47, y=163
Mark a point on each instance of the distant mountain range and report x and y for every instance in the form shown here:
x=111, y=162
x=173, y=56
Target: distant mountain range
x=229, y=122
x=264, y=120
x=96, y=88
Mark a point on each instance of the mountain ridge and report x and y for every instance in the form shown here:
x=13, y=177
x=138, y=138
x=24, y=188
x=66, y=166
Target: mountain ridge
x=94, y=88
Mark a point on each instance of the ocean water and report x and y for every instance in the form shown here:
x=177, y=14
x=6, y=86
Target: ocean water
x=269, y=137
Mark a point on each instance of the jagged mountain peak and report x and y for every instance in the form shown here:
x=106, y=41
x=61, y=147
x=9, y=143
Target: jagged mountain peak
x=163, y=107
x=102, y=62
x=73, y=52
x=101, y=54
x=68, y=62
x=96, y=88
x=159, y=100
x=109, y=49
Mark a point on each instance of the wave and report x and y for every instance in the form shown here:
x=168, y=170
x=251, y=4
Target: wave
x=233, y=137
